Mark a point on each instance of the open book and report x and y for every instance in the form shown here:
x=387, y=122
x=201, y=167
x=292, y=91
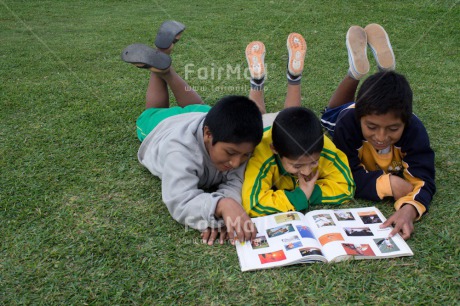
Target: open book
x=320, y=236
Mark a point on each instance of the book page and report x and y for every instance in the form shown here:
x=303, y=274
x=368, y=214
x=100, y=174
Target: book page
x=282, y=239
x=355, y=233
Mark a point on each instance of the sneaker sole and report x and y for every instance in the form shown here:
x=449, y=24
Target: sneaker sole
x=379, y=43
x=356, y=42
x=146, y=57
x=297, y=48
x=255, y=55
x=168, y=34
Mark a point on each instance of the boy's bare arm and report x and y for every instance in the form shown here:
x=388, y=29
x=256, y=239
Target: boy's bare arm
x=239, y=225
x=402, y=219
x=400, y=187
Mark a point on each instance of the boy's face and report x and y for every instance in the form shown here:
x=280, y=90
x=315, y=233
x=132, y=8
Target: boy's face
x=382, y=131
x=227, y=156
x=305, y=165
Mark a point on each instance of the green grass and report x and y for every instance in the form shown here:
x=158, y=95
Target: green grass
x=82, y=222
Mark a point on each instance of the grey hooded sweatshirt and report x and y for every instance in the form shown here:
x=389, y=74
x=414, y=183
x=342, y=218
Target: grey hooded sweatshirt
x=175, y=152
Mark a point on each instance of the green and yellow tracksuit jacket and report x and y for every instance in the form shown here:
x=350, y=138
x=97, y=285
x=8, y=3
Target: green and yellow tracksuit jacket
x=268, y=188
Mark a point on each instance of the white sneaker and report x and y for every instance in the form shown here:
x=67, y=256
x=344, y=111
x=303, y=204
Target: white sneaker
x=356, y=42
x=378, y=41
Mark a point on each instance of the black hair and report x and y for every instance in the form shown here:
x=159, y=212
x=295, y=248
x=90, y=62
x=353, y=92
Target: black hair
x=385, y=92
x=297, y=132
x=235, y=119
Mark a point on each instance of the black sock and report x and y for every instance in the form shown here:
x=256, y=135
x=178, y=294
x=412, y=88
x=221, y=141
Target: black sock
x=257, y=84
x=293, y=80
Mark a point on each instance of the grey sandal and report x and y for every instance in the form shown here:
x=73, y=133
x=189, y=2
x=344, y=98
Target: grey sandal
x=146, y=57
x=167, y=33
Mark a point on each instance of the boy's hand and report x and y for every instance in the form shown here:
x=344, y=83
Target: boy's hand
x=239, y=225
x=400, y=187
x=403, y=221
x=209, y=235
x=307, y=184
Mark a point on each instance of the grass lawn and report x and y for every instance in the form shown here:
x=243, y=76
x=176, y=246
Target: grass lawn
x=82, y=222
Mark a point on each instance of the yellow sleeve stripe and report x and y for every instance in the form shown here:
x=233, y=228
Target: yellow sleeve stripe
x=344, y=169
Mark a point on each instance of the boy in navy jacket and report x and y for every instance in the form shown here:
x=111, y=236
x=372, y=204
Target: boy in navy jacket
x=386, y=144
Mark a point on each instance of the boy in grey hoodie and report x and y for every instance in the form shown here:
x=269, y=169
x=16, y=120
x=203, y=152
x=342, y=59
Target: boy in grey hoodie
x=193, y=147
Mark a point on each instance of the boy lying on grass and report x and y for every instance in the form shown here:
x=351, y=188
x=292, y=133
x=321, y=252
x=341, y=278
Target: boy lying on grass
x=295, y=166
x=193, y=147
x=386, y=144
